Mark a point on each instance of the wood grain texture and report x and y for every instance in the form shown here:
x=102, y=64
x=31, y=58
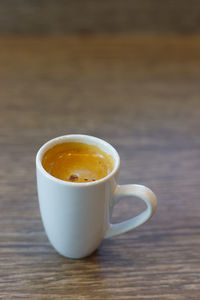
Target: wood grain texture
x=141, y=95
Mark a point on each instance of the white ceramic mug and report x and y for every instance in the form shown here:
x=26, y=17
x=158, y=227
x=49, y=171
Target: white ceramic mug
x=76, y=216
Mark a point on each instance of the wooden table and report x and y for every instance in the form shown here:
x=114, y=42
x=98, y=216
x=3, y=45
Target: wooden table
x=141, y=94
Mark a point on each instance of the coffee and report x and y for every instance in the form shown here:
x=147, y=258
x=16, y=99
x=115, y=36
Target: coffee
x=77, y=162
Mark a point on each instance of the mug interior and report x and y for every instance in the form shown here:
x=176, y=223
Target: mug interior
x=79, y=138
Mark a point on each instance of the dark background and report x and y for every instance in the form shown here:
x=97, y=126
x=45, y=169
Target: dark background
x=46, y=17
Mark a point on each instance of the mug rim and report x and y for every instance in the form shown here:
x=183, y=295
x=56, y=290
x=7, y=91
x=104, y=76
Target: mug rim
x=80, y=138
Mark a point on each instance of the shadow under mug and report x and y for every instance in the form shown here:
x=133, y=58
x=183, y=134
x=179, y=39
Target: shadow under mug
x=76, y=216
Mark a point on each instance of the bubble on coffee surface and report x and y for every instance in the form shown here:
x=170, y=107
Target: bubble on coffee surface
x=76, y=178
x=73, y=177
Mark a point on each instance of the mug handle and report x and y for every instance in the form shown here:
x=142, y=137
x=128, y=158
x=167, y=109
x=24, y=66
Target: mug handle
x=141, y=192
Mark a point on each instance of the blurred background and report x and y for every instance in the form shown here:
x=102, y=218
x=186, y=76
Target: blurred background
x=43, y=17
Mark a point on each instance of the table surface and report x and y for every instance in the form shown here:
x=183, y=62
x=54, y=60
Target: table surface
x=141, y=94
